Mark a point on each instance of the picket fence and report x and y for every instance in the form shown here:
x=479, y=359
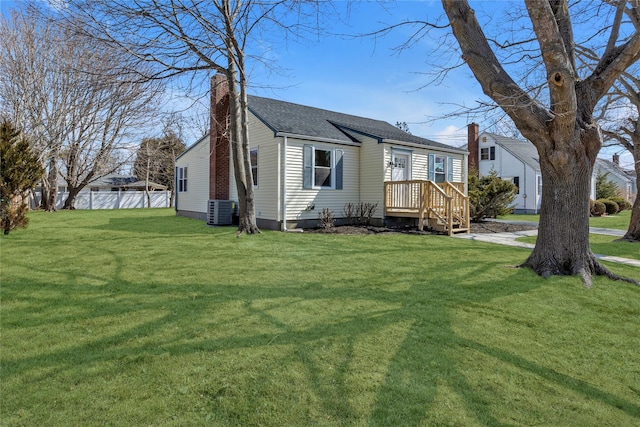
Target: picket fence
x=112, y=199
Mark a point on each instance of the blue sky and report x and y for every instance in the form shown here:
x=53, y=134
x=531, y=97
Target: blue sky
x=367, y=76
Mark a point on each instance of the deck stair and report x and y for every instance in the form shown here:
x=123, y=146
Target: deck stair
x=441, y=207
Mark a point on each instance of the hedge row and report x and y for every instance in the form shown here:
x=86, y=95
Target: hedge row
x=608, y=206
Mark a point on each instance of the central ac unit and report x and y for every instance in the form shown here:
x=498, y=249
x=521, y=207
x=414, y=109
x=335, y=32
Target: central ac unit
x=220, y=212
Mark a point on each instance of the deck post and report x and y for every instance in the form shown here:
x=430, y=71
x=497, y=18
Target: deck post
x=449, y=215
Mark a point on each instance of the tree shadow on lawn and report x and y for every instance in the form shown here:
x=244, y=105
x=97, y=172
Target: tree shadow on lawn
x=423, y=359
x=164, y=225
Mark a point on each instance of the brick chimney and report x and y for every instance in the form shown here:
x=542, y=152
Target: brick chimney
x=219, y=139
x=616, y=160
x=473, y=134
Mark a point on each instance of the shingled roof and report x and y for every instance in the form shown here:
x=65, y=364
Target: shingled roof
x=523, y=150
x=288, y=118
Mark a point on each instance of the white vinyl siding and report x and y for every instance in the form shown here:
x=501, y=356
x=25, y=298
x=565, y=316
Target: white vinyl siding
x=196, y=160
x=300, y=200
x=420, y=164
x=372, y=173
x=266, y=193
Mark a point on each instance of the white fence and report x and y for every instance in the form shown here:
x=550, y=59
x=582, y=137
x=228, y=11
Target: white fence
x=113, y=199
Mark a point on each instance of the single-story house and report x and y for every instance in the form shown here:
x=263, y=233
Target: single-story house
x=518, y=161
x=305, y=159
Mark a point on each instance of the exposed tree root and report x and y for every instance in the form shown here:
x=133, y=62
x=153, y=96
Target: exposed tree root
x=248, y=229
x=628, y=238
x=586, y=269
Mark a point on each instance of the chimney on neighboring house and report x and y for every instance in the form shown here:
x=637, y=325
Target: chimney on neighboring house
x=473, y=134
x=616, y=160
x=219, y=139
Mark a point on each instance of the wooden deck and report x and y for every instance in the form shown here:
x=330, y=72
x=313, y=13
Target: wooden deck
x=443, y=207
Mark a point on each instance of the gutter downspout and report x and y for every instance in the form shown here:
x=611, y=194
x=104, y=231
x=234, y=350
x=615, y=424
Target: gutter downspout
x=283, y=162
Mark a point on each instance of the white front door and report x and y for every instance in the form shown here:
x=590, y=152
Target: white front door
x=400, y=163
x=400, y=167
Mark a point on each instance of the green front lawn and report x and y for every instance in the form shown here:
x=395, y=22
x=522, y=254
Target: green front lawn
x=136, y=317
x=617, y=222
x=604, y=245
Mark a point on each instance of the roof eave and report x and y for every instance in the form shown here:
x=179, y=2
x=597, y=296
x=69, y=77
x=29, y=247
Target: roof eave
x=452, y=150
x=316, y=138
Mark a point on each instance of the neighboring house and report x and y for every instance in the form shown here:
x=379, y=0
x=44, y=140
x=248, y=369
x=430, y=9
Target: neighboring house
x=514, y=160
x=305, y=159
x=517, y=161
x=624, y=179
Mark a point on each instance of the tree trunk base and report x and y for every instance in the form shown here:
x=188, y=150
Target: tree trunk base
x=248, y=227
x=586, y=269
x=628, y=238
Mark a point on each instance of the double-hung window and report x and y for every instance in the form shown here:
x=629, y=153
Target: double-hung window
x=440, y=168
x=322, y=167
x=254, y=166
x=182, y=179
x=539, y=185
x=488, y=153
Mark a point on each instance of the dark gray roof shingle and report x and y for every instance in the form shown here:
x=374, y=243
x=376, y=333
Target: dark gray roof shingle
x=286, y=117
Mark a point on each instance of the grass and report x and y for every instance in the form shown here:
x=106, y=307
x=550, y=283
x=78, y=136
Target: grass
x=617, y=222
x=136, y=317
x=604, y=245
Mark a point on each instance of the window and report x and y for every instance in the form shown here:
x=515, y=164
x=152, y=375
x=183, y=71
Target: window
x=322, y=175
x=182, y=179
x=539, y=185
x=488, y=153
x=322, y=167
x=516, y=182
x=440, y=168
x=254, y=166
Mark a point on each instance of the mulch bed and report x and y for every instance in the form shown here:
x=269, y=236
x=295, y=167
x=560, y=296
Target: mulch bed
x=481, y=227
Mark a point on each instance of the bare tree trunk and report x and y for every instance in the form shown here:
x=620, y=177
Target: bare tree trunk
x=50, y=189
x=565, y=134
x=633, y=233
x=146, y=178
x=239, y=136
x=70, y=203
x=562, y=246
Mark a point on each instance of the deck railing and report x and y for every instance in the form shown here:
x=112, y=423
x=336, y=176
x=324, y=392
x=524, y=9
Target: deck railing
x=459, y=203
x=425, y=199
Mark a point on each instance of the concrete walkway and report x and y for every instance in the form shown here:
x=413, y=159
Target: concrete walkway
x=509, y=239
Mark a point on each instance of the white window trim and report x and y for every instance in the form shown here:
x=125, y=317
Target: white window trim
x=539, y=185
x=257, y=180
x=332, y=169
x=182, y=179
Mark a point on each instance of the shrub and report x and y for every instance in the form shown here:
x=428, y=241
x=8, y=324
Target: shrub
x=605, y=188
x=350, y=213
x=360, y=214
x=20, y=169
x=325, y=218
x=490, y=196
x=622, y=203
x=611, y=207
x=598, y=208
